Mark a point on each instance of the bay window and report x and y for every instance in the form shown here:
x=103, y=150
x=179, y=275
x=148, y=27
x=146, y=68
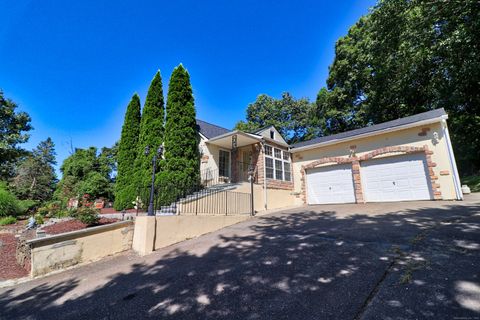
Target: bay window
x=277, y=164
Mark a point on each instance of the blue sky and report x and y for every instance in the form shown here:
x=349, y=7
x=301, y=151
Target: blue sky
x=74, y=65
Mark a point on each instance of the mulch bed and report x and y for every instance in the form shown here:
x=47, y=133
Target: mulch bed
x=72, y=225
x=113, y=211
x=9, y=268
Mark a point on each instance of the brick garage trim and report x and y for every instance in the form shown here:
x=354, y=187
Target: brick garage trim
x=355, y=162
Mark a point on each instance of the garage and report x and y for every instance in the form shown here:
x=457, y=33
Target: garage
x=331, y=184
x=399, y=178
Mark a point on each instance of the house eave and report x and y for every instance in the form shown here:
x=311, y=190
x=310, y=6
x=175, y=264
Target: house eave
x=369, y=134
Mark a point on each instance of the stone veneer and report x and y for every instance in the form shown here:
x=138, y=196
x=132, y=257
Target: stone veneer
x=355, y=161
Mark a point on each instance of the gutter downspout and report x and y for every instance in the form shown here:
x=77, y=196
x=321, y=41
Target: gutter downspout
x=264, y=175
x=453, y=164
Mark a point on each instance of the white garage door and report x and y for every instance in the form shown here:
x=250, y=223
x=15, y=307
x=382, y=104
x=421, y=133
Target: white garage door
x=395, y=179
x=332, y=184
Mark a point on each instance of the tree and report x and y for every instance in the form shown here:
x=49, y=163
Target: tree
x=181, y=168
x=87, y=171
x=35, y=176
x=407, y=57
x=151, y=131
x=292, y=117
x=13, y=128
x=125, y=188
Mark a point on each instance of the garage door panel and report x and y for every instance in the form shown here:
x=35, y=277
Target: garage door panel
x=401, y=178
x=332, y=184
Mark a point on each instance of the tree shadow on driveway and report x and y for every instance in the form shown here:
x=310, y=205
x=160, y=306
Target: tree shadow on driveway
x=302, y=264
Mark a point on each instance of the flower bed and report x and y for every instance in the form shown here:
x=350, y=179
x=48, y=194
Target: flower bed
x=72, y=225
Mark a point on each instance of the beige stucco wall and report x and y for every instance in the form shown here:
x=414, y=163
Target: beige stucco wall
x=168, y=230
x=276, y=198
x=406, y=137
x=173, y=229
x=209, y=156
x=68, y=249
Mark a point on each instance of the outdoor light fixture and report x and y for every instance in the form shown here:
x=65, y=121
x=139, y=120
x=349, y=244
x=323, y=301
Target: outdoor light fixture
x=154, y=168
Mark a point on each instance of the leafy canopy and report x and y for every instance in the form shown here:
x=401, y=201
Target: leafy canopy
x=407, y=57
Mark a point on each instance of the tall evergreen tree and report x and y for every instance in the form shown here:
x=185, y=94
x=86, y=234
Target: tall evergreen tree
x=151, y=131
x=35, y=176
x=125, y=188
x=181, y=168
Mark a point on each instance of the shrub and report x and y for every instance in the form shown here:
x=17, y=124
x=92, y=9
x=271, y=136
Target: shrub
x=25, y=206
x=50, y=209
x=7, y=220
x=38, y=219
x=8, y=203
x=473, y=182
x=87, y=215
x=63, y=213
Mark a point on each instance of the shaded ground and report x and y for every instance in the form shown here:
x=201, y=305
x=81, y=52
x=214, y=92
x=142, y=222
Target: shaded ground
x=9, y=268
x=376, y=261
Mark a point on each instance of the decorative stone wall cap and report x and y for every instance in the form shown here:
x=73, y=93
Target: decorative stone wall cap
x=79, y=233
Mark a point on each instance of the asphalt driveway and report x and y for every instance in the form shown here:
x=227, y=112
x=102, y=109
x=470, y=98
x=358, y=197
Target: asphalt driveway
x=411, y=260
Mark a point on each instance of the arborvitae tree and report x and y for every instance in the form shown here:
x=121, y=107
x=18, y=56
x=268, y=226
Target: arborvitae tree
x=181, y=168
x=151, y=132
x=125, y=188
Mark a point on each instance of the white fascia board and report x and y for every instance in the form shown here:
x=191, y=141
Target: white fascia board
x=369, y=134
x=250, y=135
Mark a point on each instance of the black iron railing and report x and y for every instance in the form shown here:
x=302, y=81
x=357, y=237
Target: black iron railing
x=178, y=199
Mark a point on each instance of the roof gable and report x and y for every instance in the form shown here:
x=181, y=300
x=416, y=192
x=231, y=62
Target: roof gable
x=265, y=133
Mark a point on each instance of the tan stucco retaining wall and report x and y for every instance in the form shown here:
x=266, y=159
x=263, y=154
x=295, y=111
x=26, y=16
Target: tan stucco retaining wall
x=173, y=229
x=408, y=137
x=276, y=198
x=68, y=249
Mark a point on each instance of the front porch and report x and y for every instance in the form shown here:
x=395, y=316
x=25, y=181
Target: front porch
x=229, y=159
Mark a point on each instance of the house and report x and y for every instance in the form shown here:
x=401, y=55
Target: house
x=401, y=160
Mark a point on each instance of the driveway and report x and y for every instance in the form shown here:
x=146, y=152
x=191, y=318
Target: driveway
x=411, y=260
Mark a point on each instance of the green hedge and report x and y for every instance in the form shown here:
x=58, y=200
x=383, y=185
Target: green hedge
x=8, y=203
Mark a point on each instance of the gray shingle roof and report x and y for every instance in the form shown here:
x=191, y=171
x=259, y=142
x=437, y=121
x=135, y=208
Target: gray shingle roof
x=210, y=130
x=377, y=127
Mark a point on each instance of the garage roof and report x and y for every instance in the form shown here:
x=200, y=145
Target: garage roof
x=429, y=115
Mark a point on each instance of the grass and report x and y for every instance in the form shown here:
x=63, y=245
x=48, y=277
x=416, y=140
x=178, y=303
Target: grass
x=7, y=220
x=473, y=182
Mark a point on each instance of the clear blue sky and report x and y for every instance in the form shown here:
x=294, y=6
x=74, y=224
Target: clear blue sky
x=73, y=65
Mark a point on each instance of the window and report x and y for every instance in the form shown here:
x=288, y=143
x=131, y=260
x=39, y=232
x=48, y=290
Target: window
x=286, y=171
x=278, y=170
x=278, y=153
x=272, y=134
x=277, y=164
x=268, y=150
x=269, y=167
x=224, y=163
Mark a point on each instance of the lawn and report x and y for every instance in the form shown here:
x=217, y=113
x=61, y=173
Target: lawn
x=473, y=182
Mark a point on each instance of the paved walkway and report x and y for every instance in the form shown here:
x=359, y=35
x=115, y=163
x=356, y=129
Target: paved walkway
x=412, y=260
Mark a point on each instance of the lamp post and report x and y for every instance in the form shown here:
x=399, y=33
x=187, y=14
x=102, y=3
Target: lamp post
x=154, y=165
x=251, y=178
